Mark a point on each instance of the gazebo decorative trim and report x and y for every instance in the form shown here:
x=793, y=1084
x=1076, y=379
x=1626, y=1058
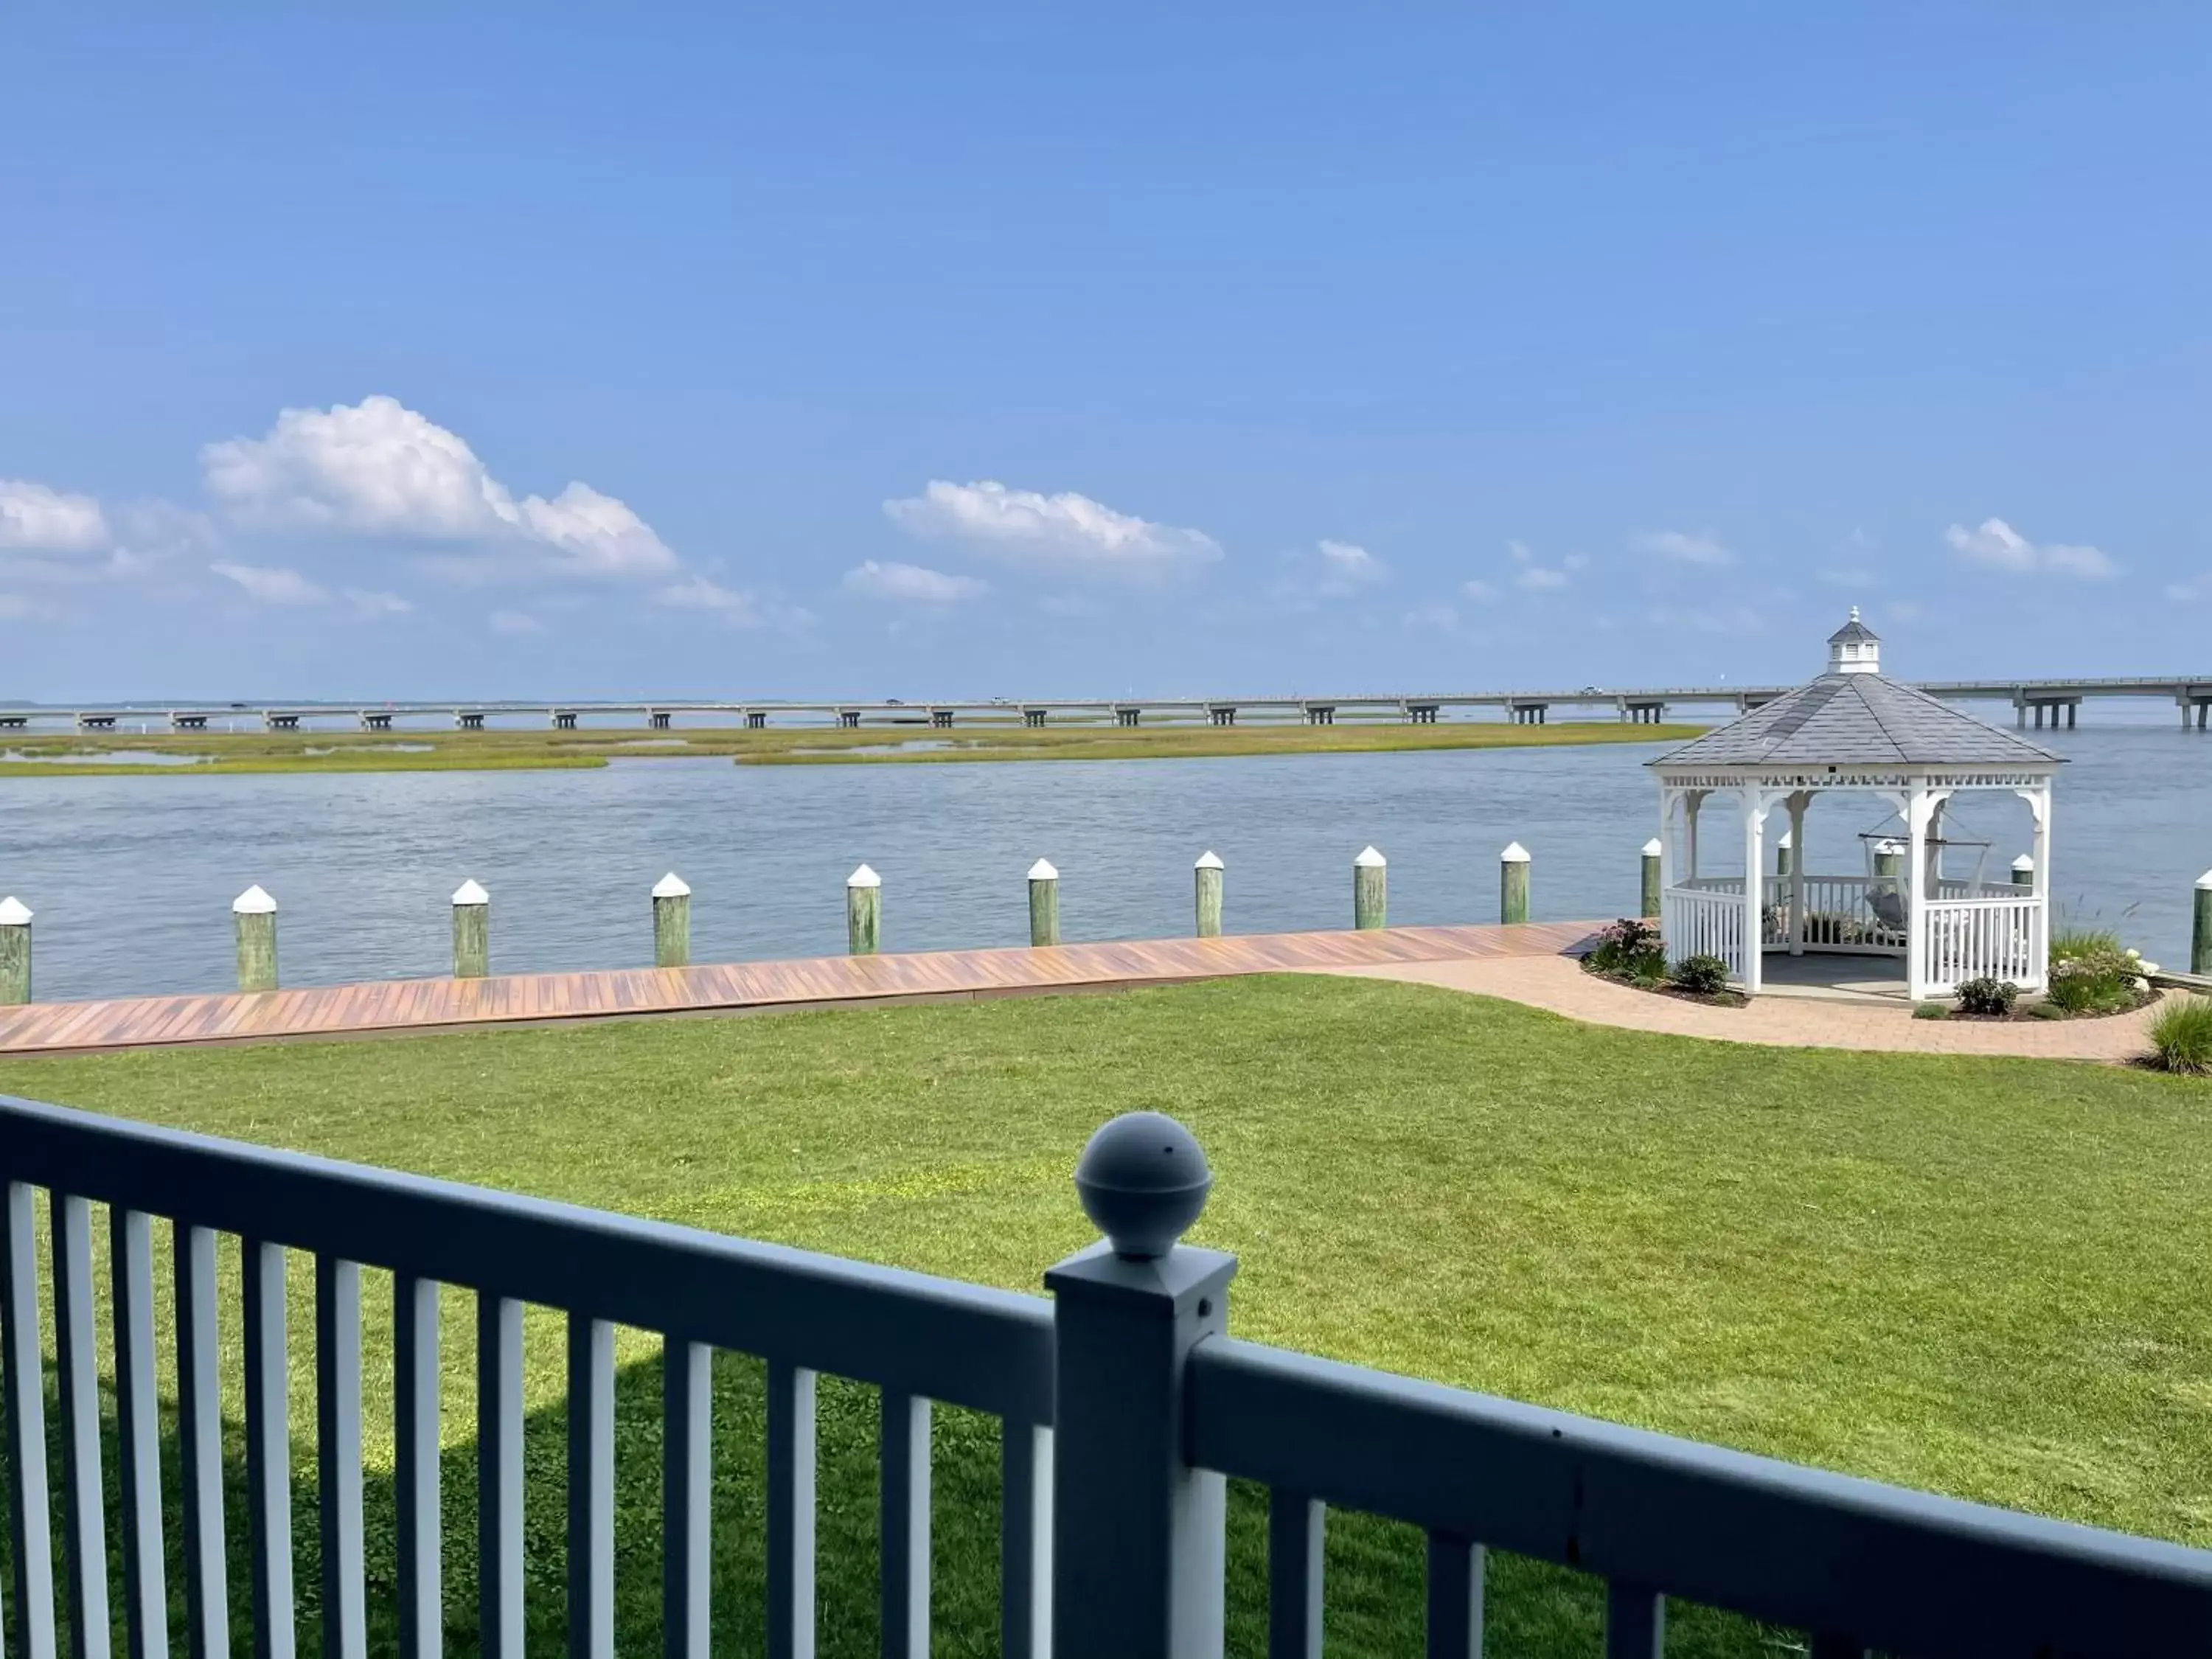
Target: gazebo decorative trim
x=1850, y=729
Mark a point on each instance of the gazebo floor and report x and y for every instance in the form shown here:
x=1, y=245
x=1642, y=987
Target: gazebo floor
x=1847, y=978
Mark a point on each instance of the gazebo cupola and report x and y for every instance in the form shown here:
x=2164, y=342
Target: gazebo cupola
x=1853, y=730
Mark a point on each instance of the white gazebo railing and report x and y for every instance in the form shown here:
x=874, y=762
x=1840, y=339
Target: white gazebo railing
x=1706, y=918
x=1964, y=939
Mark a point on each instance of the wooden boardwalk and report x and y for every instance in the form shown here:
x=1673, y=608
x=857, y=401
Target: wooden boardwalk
x=434, y=1004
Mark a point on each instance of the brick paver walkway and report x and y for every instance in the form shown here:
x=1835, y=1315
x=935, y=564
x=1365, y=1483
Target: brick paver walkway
x=1560, y=984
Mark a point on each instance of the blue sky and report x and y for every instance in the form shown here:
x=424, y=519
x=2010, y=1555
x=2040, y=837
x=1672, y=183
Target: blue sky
x=1055, y=351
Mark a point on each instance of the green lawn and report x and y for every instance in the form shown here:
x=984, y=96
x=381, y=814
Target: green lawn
x=1982, y=1277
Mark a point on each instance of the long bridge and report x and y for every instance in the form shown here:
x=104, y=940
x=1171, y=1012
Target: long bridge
x=2058, y=700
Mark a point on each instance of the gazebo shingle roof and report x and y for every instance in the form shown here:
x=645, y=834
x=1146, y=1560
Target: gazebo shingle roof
x=1858, y=720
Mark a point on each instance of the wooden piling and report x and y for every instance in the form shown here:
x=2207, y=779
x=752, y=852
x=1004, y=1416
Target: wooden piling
x=1370, y=890
x=1651, y=853
x=672, y=922
x=1513, y=883
x=1044, y=904
x=2200, y=937
x=1207, y=877
x=472, y=931
x=863, y=912
x=253, y=915
x=14, y=951
x=2023, y=871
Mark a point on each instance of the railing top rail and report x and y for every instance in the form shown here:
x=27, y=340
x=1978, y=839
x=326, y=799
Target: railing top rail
x=967, y=1344
x=1899, y=1570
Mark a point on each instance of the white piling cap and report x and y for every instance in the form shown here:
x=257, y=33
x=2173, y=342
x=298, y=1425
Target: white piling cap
x=2024, y=862
x=469, y=892
x=864, y=877
x=1042, y=871
x=671, y=885
x=1889, y=846
x=13, y=913
x=1652, y=849
x=253, y=902
x=1370, y=860
x=2205, y=880
x=1207, y=861
x=1515, y=853
x=1785, y=840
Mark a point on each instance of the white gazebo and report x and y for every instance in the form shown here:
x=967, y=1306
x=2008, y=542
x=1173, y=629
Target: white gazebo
x=1853, y=730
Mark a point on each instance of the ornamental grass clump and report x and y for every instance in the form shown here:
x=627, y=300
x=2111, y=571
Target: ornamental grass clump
x=2101, y=980
x=2181, y=1037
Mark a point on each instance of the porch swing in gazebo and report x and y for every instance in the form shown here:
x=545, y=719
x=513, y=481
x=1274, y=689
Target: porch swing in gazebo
x=1853, y=730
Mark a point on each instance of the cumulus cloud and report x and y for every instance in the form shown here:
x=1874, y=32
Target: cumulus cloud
x=513, y=622
x=1995, y=543
x=910, y=583
x=736, y=605
x=269, y=585
x=1534, y=578
x=373, y=606
x=378, y=468
x=1435, y=614
x=39, y=519
x=1066, y=531
x=1685, y=546
x=1480, y=592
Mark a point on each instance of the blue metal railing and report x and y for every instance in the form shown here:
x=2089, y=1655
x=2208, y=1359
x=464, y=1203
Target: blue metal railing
x=1126, y=1404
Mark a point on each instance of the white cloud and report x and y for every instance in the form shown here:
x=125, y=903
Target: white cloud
x=36, y=518
x=1435, y=614
x=1482, y=592
x=910, y=583
x=514, y=622
x=378, y=468
x=1686, y=546
x=1997, y=545
x=1539, y=579
x=1350, y=565
x=373, y=606
x=1065, y=532
x=735, y=605
x=265, y=585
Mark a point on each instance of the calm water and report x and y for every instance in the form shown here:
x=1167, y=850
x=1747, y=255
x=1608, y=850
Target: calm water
x=131, y=877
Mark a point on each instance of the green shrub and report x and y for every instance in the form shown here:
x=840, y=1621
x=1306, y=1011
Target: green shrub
x=2099, y=980
x=1703, y=976
x=1931, y=1010
x=2072, y=943
x=2181, y=1037
x=1987, y=996
x=1629, y=947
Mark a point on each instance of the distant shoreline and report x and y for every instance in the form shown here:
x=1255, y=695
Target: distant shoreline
x=230, y=754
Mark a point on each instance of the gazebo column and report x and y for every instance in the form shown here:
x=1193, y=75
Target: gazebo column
x=1756, y=807
x=1691, y=800
x=2038, y=806
x=1918, y=808
x=1798, y=802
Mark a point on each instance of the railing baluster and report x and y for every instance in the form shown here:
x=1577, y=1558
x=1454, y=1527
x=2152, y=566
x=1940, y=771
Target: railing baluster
x=687, y=1477
x=499, y=1475
x=1456, y=1569
x=591, y=1488
x=199, y=1435
x=790, y=1511
x=414, y=1423
x=1025, y=1542
x=1635, y=1622
x=338, y=1456
x=137, y=1419
x=1295, y=1527
x=29, y=1522
x=268, y=1448
x=84, y=1508
x=905, y=1531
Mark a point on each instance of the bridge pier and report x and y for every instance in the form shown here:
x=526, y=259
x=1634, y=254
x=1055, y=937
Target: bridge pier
x=468, y=720
x=281, y=722
x=564, y=720
x=1420, y=713
x=2199, y=700
x=850, y=719
x=375, y=720
x=17, y=722
x=941, y=719
x=1320, y=714
x=756, y=718
x=1531, y=713
x=1642, y=713
x=1125, y=714
x=659, y=719
x=1222, y=714
x=178, y=722
x=1032, y=717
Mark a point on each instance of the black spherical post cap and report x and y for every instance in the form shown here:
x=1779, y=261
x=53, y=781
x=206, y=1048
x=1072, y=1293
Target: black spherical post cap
x=1143, y=1181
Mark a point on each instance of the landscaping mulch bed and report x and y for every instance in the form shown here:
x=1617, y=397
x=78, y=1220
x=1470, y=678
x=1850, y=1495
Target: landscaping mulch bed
x=1661, y=987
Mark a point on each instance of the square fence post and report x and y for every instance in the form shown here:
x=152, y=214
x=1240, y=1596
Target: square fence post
x=1138, y=1545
